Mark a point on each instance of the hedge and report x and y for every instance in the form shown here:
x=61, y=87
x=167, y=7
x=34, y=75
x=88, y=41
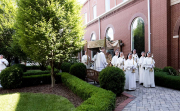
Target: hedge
x=96, y=99
x=32, y=67
x=165, y=80
x=35, y=72
x=39, y=79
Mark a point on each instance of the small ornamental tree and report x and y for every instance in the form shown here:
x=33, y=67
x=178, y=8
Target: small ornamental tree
x=49, y=29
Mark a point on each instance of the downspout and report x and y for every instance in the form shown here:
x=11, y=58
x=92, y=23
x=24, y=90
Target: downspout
x=149, y=26
x=99, y=28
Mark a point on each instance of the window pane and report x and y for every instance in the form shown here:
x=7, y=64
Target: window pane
x=110, y=34
x=107, y=5
x=94, y=11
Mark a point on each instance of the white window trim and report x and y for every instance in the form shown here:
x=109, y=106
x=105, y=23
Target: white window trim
x=95, y=13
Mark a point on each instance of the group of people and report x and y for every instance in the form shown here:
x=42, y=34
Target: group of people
x=135, y=68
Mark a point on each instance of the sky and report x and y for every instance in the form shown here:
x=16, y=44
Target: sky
x=81, y=1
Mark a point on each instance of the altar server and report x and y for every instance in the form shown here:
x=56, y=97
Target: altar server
x=149, y=65
x=3, y=63
x=130, y=66
x=101, y=61
x=121, y=61
x=141, y=69
x=84, y=60
x=114, y=59
x=136, y=58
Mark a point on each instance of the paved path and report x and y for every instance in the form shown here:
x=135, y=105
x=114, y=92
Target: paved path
x=154, y=99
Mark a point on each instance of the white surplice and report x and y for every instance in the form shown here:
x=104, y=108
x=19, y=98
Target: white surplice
x=95, y=58
x=130, y=82
x=120, y=62
x=101, y=61
x=136, y=59
x=84, y=61
x=141, y=70
x=149, y=63
x=2, y=66
x=114, y=60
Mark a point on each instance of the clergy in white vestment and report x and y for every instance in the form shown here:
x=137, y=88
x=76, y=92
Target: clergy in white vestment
x=95, y=58
x=84, y=60
x=136, y=58
x=141, y=69
x=130, y=65
x=114, y=59
x=120, y=61
x=149, y=65
x=101, y=61
x=3, y=63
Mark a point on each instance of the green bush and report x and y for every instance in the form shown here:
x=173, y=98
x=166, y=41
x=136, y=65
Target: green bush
x=78, y=70
x=35, y=72
x=49, y=68
x=173, y=71
x=22, y=66
x=165, y=80
x=65, y=67
x=158, y=69
x=11, y=77
x=113, y=79
x=39, y=79
x=96, y=99
x=32, y=67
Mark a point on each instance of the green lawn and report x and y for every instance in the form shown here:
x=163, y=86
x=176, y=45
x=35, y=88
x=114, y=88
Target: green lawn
x=34, y=102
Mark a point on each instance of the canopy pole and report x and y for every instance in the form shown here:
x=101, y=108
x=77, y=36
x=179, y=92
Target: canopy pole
x=87, y=52
x=105, y=43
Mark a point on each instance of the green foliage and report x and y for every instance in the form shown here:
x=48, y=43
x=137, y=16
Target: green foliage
x=65, y=67
x=32, y=67
x=165, y=80
x=35, y=72
x=78, y=70
x=171, y=72
x=113, y=79
x=11, y=77
x=158, y=69
x=34, y=102
x=39, y=79
x=49, y=68
x=97, y=99
x=22, y=66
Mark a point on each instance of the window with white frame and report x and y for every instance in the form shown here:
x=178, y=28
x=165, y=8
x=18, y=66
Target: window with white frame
x=110, y=33
x=107, y=5
x=85, y=18
x=94, y=12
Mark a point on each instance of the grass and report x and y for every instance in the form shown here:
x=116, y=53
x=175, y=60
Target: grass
x=34, y=102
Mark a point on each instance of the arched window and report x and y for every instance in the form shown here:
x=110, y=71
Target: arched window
x=93, y=38
x=137, y=35
x=110, y=33
x=110, y=36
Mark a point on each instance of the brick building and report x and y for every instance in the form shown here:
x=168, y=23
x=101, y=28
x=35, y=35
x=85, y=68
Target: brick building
x=116, y=17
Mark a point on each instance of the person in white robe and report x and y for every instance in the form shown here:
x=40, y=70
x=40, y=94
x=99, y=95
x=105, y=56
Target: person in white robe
x=149, y=65
x=130, y=65
x=101, y=61
x=141, y=69
x=95, y=58
x=136, y=58
x=114, y=59
x=3, y=63
x=121, y=61
x=84, y=60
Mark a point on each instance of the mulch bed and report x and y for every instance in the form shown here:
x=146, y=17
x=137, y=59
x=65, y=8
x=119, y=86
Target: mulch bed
x=59, y=89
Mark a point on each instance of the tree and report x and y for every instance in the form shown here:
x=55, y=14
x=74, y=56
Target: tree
x=49, y=29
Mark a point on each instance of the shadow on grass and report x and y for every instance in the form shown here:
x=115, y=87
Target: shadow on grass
x=34, y=102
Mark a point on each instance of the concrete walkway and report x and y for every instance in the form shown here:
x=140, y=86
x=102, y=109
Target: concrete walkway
x=154, y=99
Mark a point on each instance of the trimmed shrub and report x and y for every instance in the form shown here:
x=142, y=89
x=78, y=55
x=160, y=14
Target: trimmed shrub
x=165, y=80
x=32, y=67
x=78, y=70
x=158, y=69
x=39, y=79
x=96, y=99
x=65, y=67
x=22, y=66
x=35, y=72
x=49, y=68
x=11, y=77
x=113, y=79
x=172, y=70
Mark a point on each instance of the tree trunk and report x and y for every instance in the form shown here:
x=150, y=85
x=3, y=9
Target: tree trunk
x=52, y=74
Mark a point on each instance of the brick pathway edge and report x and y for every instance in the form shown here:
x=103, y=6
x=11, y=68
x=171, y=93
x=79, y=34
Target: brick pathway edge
x=123, y=104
